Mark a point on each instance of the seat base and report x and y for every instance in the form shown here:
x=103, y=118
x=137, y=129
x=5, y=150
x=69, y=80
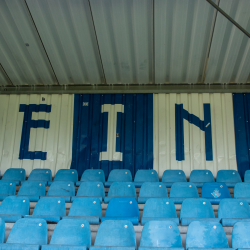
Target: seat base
x=144, y=220
x=63, y=247
x=48, y=218
x=93, y=220
x=134, y=220
x=187, y=221
x=19, y=246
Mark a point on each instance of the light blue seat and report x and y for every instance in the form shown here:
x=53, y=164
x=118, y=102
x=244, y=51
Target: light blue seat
x=119, y=175
x=123, y=209
x=233, y=210
x=51, y=209
x=169, y=177
x=15, y=175
x=240, y=236
x=197, y=209
x=152, y=190
x=7, y=188
x=70, y=234
x=215, y=192
x=204, y=235
x=33, y=190
x=63, y=189
x=158, y=235
x=14, y=208
x=65, y=175
x=27, y=235
x=142, y=176
x=159, y=209
x=229, y=177
x=41, y=175
x=247, y=176
x=115, y=234
x=2, y=230
x=242, y=191
x=199, y=177
x=121, y=189
x=89, y=209
x=90, y=189
x=183, y=190
x=92, y=175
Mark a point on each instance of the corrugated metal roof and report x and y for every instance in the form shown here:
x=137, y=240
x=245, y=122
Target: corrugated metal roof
x=4, y=80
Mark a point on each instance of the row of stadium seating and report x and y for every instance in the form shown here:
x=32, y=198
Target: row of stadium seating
x=53, y=210
x=32, y=234
x=198, y=177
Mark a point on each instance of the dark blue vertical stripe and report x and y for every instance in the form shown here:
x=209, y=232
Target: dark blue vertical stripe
x=208, y=132
x=179, y=132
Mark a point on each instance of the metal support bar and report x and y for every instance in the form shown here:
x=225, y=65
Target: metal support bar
x=132, y=88
x=228, y=17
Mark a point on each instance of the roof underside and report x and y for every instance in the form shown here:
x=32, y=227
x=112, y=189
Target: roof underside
x=106, y=42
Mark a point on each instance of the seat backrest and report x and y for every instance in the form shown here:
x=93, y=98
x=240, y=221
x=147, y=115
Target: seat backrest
x=228, y=176
x=86, y=207
x=206, y=235
x=15, y=205
x=184, y=189
x=240, y=235
x=7, y=187
x=91, y=189
x=50, y=206
x=118, y=233
x=196, y=208
x=174, y=176
x=154, y=235
x=247, y=176
x=40, y=174
x=29, y=231
x=123, y=207
x=2, y=230
x=32, y=188
x=201, y=176
x=122, y=189
x=72, y=232
x=233, y=208
x=120, y=175
x=62, y=188
x=93, y=175
x=148, y=175
x=242, y=190
x=14, y=174
x=215, y=190
x=66, y=175
x=153, y=189
x=160, y=208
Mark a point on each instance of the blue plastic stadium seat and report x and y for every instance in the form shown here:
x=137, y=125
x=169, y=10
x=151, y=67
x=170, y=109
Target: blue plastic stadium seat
x=142, y=176
x=14, y=174
x=242, y=191
x=89, y=209
x=123, y=209
x=169, y=177
x=2, y=230
x=63, y=189
x=159, y=209
x=233, y=210
x=229, y=177
x=51, y=209
x=160, y=235
x=90, y=189
x=119, y=175
x=240, y=236
x=7, y=188
x=70, y=234
x=215, y=192
x=121, y=189
x=14, y=208
x=27, y=235
x=199, y=177
x=206, y=235
x=66, y=175
x=183, y=190
x=196, y=209
x=92, y=175
x=152, y=190
x=33, y=190
x=247, y=176
x=118, y=235
x=41, y=175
